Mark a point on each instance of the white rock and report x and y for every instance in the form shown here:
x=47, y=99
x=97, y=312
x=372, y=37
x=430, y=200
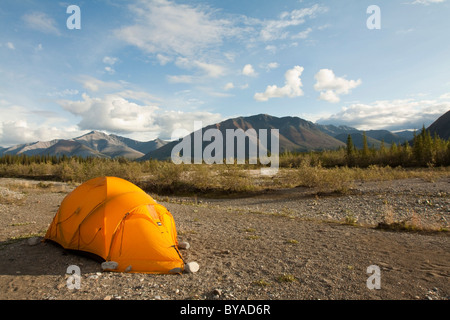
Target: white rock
x=191, y=267
x=109, y=265
x=184, y=245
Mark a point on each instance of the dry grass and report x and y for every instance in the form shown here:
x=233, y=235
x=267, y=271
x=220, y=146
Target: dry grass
x=161, y=177
x=412, y=223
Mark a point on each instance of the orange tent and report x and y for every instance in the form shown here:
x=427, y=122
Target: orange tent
x=116, y=220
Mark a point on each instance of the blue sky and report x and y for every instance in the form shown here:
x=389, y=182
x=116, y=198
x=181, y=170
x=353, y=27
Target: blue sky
x=144, y=69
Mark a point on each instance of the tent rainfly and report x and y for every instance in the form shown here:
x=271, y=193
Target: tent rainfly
x=117, y=221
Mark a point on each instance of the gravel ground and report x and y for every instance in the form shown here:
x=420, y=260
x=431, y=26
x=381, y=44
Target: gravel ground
x=288, y=244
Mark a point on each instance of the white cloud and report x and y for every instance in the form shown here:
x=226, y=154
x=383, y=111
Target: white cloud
x=445, y=96
x=110, y=70
x=277, y=29
x=10, y=45
x=23, y=131
x=63, y=93
x=164, y=27
x=427, y=2
x=171, y=122
x=163, y=60
x=291, y=89
x=331, y=86
x=249, y=71
x=208, y=69
x=93, y=84
x=116, y=113
x=229, y=86
x=389, y=114
x=41, y=22
x=201, y=69
x=181, y=79
x=110, y=60
x=111, y=113
x=21, y=125
x=271, y=66
x=303, y=34
x=271, y=48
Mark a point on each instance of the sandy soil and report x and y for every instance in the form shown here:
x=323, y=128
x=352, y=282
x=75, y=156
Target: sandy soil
x=289, y=244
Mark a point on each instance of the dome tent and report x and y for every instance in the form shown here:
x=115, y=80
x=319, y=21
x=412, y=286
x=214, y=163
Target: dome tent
x=117, y=221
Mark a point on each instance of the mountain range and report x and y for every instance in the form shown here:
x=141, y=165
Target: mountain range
x=295, y=134
x=92, y=144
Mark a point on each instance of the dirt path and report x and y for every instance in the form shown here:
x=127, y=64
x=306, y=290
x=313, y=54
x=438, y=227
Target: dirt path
x=243, y=253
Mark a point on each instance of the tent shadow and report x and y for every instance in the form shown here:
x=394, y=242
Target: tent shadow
x=18, y=258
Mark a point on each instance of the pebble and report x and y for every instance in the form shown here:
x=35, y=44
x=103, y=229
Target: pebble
x=33, y=241
x=191, y=267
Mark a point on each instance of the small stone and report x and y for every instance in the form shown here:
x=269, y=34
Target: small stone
x=108, y=298
x=191, y=267
x=33, y=241
x=217, y=292
x=184, y=245
x=109, y=265
x=157, y=297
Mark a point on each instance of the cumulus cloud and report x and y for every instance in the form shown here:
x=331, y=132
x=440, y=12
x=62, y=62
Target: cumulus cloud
x=41, y=22
x=24, y=131
x=389, y=114
x=331, y=87
x=291, y=89
x=23, y=125
x=248, y=70
x=114, y=113
x=111, y=113
x=10, y=45
x=177, y=124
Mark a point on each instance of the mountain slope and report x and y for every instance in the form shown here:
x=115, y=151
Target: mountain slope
x=30, y=149
x=295, y=134
x=441, y=126
x=72, y=148
x=144, y=147
x=108, y=145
